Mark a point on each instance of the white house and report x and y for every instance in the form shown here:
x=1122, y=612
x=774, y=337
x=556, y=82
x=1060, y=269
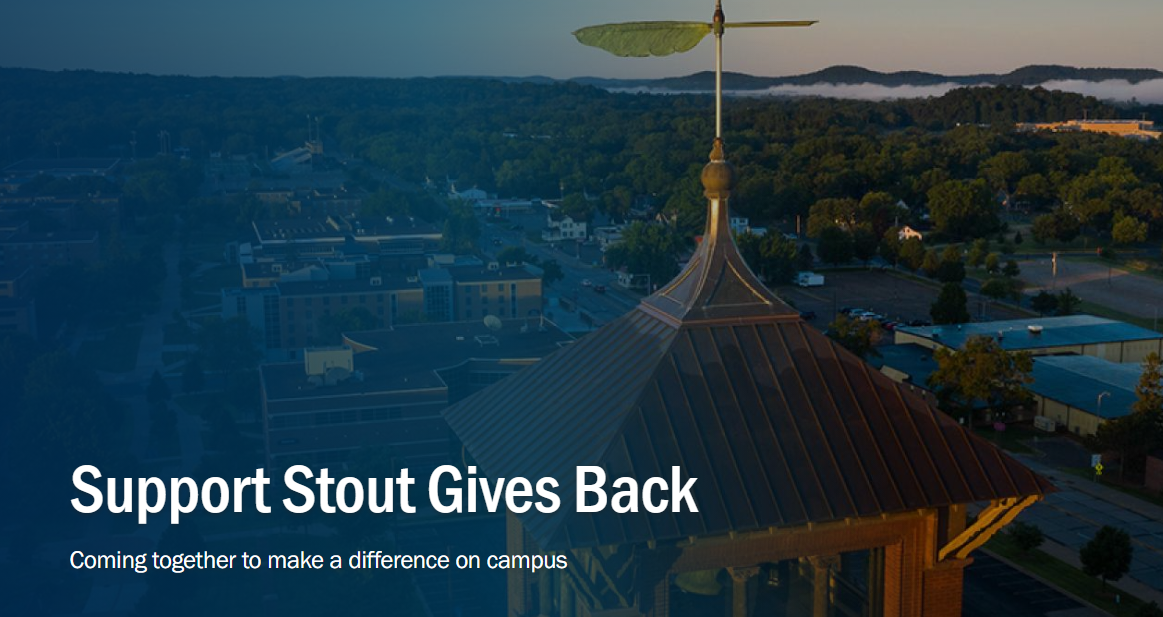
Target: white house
x=561, y=226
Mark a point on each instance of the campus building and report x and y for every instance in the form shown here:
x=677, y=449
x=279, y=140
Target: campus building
x=404, y=240
x=823, y=487
x=1085, y=335
x=25, y=249
x=1135, y=129
x=386, y=388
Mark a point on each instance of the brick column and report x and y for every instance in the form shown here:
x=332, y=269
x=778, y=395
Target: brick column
x=739, y=579
x=943, y=588
x=822, y=584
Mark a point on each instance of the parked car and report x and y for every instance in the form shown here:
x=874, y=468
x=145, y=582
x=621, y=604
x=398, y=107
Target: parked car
x=587, y=283
x=600, y=289
x=919, y=323
x=889, y=325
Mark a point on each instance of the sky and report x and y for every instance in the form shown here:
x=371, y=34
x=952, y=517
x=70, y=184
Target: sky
x=388, y=38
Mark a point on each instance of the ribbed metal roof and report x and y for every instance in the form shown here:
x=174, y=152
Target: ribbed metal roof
x=715, y=375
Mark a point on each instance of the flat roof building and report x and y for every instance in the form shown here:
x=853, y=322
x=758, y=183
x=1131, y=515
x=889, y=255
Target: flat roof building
x=1081, y=392
x=388, y=387
x=1087, y=335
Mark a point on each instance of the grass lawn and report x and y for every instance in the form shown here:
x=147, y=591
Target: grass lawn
x=116, y=353
x=1065, y=576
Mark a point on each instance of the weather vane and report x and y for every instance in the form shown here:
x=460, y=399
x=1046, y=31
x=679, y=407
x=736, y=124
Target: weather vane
x=639, y=39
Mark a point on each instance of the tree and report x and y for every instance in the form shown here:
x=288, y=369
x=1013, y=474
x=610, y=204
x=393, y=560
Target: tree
x=992, y=263
x=771, y=256
x=1107, y=555
x=998, y=288
x=833, y=213
x=858, y=336
x=977, y=252
x=157, y=392
x=912, y=253
x=1068, y=302
x=513, y=254
x=1011, y=269
x=193, y=378
x=1057, y=226
x=864, y=244
x=951, y=269
x=647, y=249
x=931, y=263
x=1026, y=535
x=1018, y=239
x=805, y=260
x=981, y=371
x=959, y=209
x=1127, y=230
x=551, y=272
x=950, y=306
x=1044, y=302
x=890, y=246
x=461, y=230
x=835, y=246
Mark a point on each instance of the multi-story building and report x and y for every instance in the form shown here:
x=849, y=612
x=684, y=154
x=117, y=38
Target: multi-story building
x=1135, y=129
x=387, y=388
x=504, y=291
x=22, y=248
x=402, y=239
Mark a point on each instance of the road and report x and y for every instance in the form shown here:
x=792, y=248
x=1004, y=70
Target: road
x=601, y=307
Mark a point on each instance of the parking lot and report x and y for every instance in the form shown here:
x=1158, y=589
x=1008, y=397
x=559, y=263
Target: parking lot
x=896, y=297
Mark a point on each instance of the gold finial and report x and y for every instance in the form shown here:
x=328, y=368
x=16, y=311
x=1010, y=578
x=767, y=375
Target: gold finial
x=718, y=175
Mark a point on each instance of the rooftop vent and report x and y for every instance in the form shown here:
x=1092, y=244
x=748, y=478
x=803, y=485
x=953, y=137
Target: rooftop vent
x=486, y=339
x=1034, y=328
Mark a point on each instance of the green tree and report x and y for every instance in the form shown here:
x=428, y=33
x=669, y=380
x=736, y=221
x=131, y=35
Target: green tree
x=1011, y=269
x=551, y=272
x=978, y=251
x=514, y=254
x=981, y=371
x=461, y=230
x=992, y=263
x=950, y=306
x=890, y=246
x=1107, y=555
x=858, y=336
x=577, y=207
x=864, y=244
x=931, y=264
x=805, y=260
x=843, y=214
x=1068, y=303
x=951, y=269
x=647, y=249
x=1026, y=535
x=835, y=246
x=1058, y=226
x=1127, y=230
x=1044, y=302
x=772, y=256
x=912, y=253
x=959, y=209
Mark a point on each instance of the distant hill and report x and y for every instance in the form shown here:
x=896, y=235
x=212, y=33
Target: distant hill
x=1025, y=76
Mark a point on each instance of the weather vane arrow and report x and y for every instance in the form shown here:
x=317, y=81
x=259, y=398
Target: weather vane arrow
x=639, y=39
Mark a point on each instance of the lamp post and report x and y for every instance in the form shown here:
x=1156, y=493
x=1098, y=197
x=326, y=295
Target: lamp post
x=1101, y=395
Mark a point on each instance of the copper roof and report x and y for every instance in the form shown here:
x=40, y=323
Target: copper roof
x=714, y=374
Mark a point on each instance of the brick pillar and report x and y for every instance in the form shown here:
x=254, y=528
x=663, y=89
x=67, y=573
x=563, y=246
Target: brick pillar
x=943, y=588
x=739, y=597
x=518, y=586
x=893, y=577
x=822, y=584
